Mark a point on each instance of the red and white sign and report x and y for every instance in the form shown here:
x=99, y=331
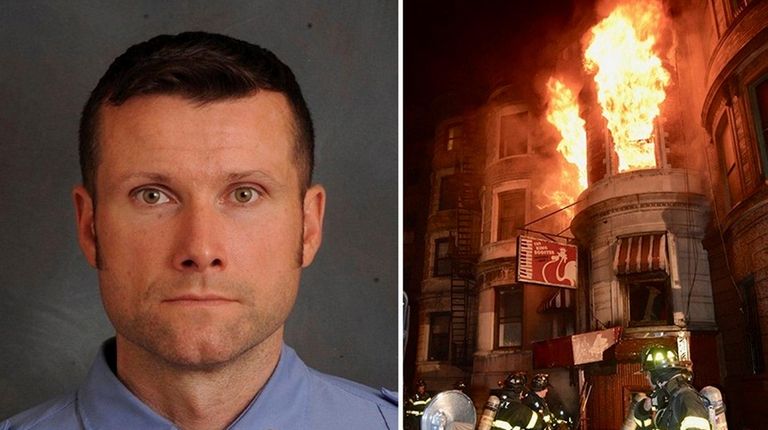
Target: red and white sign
x=589, y=347
x=545, y=262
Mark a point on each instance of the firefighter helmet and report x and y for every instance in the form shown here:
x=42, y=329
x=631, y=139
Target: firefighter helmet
x=657, y=357
x=515, y=381
x=460, y=385
x=421, y=383
x=540, y=381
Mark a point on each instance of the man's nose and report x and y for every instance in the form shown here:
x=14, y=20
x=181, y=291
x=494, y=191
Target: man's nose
x=200, y=240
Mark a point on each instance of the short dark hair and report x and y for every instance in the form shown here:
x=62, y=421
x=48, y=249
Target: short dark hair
x=202, y=67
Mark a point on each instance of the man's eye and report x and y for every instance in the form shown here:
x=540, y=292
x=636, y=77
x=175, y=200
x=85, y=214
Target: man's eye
x=245, y=194
x=152, y=196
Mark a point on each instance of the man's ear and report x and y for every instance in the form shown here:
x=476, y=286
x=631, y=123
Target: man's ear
x=314, y=210
x=86, y=230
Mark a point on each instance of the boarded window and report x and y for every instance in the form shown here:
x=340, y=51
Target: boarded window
x=439, y=336
x=511, y=214
x=513, y=135
x=509, y=317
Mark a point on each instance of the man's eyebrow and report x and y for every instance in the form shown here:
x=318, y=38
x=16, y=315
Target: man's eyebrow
x=229, y=177
x=248, y=174
x=152, y=176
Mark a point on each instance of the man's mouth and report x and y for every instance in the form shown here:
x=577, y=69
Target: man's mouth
x=199, y=300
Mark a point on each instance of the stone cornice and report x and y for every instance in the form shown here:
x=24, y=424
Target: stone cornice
x=639, y=202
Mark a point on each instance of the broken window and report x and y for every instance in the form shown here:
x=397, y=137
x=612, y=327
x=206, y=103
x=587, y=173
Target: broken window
x=640, y=263
x=648, y=295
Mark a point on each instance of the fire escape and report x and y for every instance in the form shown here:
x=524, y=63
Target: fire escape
x=463, y=259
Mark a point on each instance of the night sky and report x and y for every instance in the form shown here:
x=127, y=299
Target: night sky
x=465, y=48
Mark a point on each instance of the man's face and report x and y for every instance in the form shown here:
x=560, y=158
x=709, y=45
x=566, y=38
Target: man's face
x=200, y=227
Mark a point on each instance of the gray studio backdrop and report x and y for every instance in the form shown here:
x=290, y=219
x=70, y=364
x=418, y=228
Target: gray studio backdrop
x=344, y=54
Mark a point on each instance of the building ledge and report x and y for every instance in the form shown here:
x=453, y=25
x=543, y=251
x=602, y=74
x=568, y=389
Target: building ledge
x=499, y=249
x=746, y=212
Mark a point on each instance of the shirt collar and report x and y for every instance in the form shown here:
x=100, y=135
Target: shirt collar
x=104, y=402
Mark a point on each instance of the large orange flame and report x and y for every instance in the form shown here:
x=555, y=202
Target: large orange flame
x=563, y=113
x=630, y=79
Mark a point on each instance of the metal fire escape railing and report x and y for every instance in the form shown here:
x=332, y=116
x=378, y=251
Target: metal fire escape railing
x=463, y=259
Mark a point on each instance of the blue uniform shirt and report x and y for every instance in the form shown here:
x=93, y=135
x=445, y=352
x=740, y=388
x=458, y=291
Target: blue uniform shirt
x=295, y=397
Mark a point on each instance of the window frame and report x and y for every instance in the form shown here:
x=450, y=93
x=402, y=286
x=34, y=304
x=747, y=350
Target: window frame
x=752, y=332
x=757, y=119
x=453, y=141
x=502, y=153
x=437, y=259
x=725, y=125
x=432, y=343
x=641, y=279
x=454, y=199
x=498, y=320
x=498, y=213
x=660, y=150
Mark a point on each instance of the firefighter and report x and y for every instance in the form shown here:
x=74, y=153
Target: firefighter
x=504, y=385
x=512, y=413
x=536, y=399
x=674, y=404
x=414, y=406
x=562, y=419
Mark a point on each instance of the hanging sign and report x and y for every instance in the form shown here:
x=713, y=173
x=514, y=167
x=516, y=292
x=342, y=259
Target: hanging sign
x=545, y=262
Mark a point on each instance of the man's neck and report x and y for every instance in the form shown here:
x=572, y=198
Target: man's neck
x=197, y=399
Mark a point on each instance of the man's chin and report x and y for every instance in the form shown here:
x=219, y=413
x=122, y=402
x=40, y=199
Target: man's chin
x=193, y=349
x=201, y=344
x=200, y=355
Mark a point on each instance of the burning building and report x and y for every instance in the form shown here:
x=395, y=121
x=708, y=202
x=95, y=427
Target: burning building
x=646, y=149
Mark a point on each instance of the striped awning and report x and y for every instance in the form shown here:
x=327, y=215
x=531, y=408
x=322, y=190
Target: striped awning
x=641, y=253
